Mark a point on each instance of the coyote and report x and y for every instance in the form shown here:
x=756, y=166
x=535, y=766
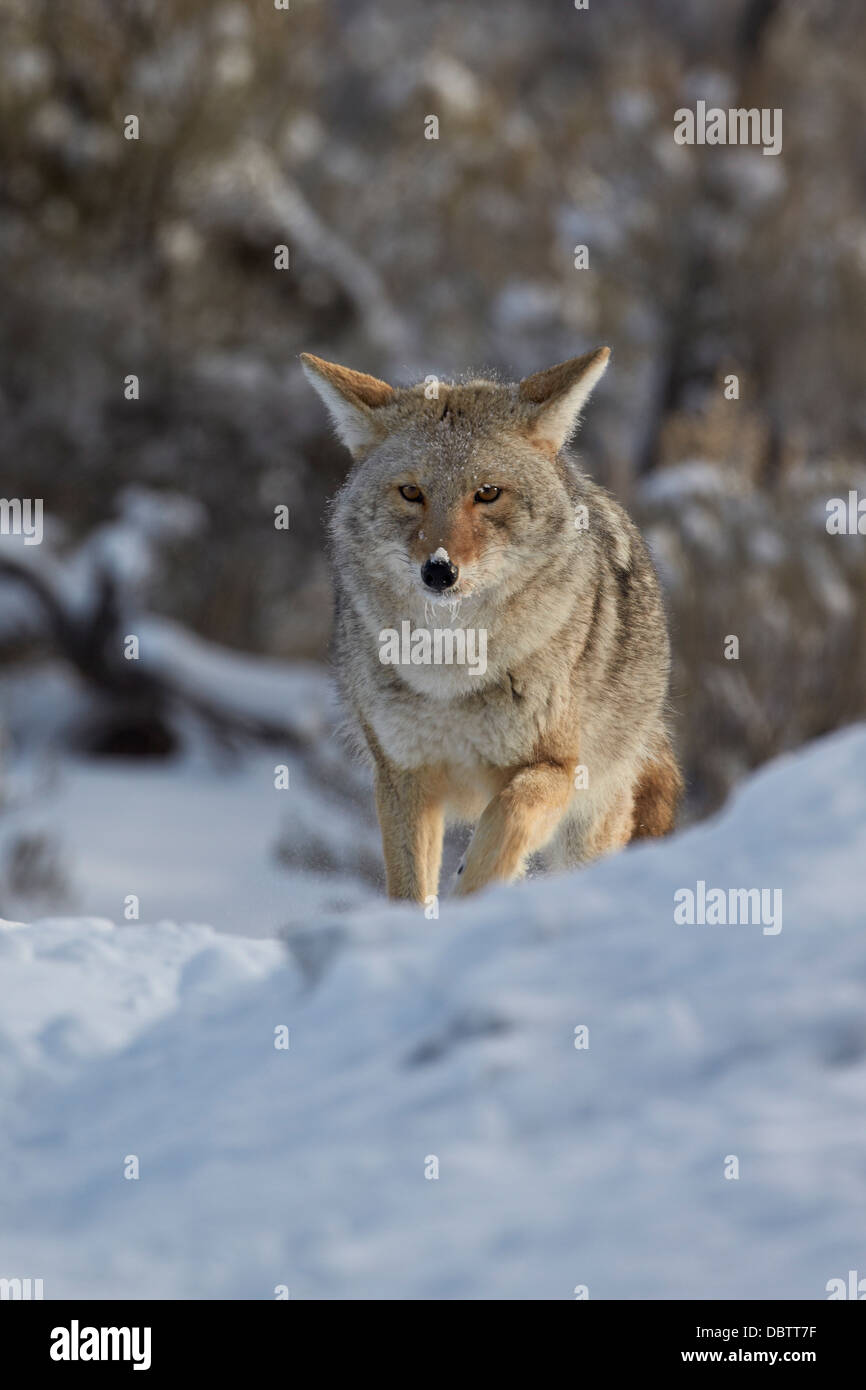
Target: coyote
x=463, y=510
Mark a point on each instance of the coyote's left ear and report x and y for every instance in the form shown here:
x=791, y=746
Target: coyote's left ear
x=352, y=399
x=560, y=393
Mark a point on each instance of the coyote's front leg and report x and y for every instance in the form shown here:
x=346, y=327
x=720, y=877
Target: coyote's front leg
x=409, y=804
x=519, y=820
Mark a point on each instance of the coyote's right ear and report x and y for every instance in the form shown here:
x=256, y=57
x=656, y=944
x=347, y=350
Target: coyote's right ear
x=352, y=399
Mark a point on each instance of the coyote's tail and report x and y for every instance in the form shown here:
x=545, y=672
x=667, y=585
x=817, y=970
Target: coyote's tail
x=657, y=794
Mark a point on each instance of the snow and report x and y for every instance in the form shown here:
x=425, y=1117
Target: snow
x=297, y=696
x=208, y=836
x=195, y=839
x=454, y=1038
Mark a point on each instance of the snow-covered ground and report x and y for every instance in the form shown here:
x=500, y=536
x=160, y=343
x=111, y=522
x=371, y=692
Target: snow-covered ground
x=454, y=1040
x=210, y=836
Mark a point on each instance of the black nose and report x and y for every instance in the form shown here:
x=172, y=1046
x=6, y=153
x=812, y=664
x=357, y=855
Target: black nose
x=439, y=574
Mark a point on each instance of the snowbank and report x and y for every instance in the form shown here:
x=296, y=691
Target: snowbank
x=454, y=1040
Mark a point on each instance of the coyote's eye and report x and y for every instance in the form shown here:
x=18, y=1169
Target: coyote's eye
x=411, y=493
x=488, y=493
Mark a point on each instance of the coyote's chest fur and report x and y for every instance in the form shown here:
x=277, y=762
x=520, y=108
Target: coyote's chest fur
x=465, y=519
x=427, y=712
x=468, y=735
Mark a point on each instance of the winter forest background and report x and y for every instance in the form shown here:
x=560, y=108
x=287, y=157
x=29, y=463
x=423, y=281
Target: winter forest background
x=198, y=970
x=408, y=256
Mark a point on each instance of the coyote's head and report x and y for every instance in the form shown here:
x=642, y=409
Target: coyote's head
x=457, y=489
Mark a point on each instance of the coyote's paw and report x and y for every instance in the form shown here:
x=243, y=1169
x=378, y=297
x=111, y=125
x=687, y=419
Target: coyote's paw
x=458, y=886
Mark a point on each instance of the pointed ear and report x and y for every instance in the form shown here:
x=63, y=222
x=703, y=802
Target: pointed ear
x=352, y=399
x=560, y=393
